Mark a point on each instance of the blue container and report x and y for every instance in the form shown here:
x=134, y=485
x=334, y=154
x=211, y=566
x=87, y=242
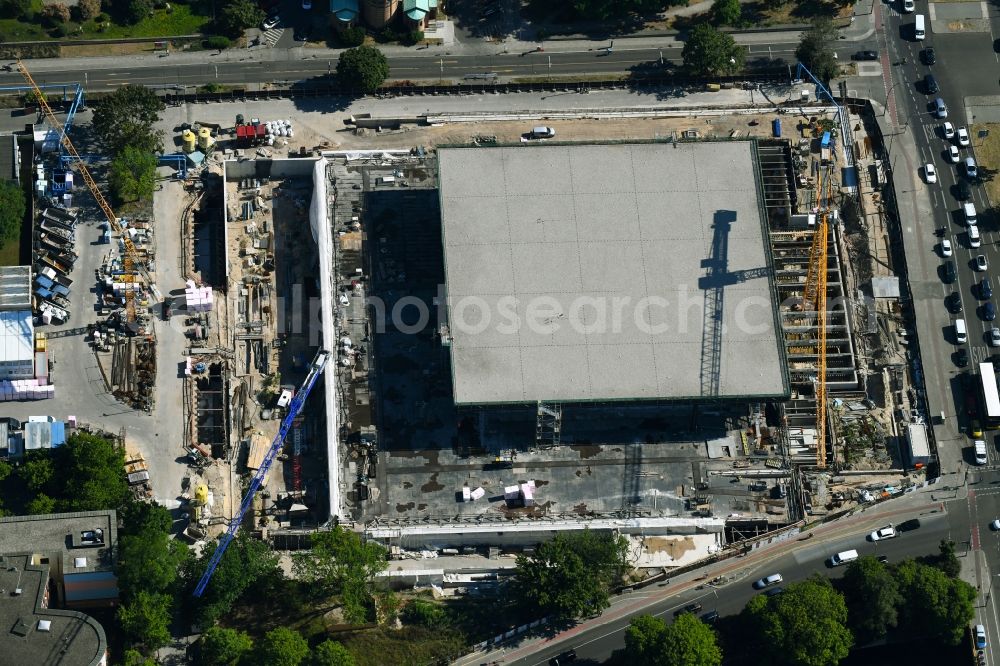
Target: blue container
x=776, y=128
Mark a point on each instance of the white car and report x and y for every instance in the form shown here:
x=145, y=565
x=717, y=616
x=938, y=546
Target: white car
x=948, y=130
x=946, y=248
x=908, y=6
x=930, y=173
x=953, y=155
x=768, y=581
x=887, y=532
x=975, y=240
x=307, y=5
x=995, y=525
x=994, y=338
x=963, y=136
x=271, y=22
x=981, y=264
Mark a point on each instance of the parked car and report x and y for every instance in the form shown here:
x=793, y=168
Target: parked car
x=928, y=56
x=981, y=264
x=980, y=632
x=975, y=240
x=930, y=173
x=993, y=337
x=962, y=190
x=908, y=525
x=948, y=130
x=954, y=302
x=989, y=311
x=271, y=22
x=908, y=6
x=971, y=170
x=946, y=248
x=962, y=357
x=953, y=155
x=563, y=658
x=887, y=532
x=775, y=591
x=711, y=617
x=690, y=608
x=963, y=136
x=865, y=55
x=949, y=271
x=930, y=84
x=940, y=108
x=995, y=525
x=985, y=290
x=542, y=132
x=883, y=559
x=768, y=581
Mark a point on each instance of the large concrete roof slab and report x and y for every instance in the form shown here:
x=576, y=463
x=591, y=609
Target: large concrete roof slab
x=581, y=273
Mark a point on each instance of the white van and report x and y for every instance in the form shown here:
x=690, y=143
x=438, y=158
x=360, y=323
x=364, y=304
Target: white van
x=969, y=210
x=961, y=332
x=980, y=448
x=975, y=240
x=918, y=27
x=844, y=557
x=385, y=180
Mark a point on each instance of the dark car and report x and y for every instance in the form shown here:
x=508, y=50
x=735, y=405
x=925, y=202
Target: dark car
x=690, y=608
x=954, y=302
x=928, y=56
x=962, y=190
x=908, y=525
x=949, y=271
x=775, y=591
x=961, y=357
x=563, y=658
x=301, y=33
x=711, y=617
x=985, y=290
x=865, y=55
x=930, y=85
x=883, y=559
x=989, y=311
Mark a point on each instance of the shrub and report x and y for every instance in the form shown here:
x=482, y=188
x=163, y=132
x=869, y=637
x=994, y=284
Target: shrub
x=58, y=31
x=55, y=14
x=413, y=37
x=87, y=9
x=351, y=37
x=218, y=42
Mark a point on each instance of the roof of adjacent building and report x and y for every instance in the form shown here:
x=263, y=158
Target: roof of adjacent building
x=69, y=637
x=15, y=287
x=582, y=273
x=344, y=10
x=9, y=158
x=55, y=535
x=417, y=9
x=17, y=336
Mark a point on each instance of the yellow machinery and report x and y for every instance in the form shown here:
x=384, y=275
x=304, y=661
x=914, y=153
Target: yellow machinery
x=130, y=261
x=815, y=295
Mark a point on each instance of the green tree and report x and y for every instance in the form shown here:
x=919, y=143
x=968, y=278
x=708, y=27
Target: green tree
x=331, y=653
x=138, y=516
x=804, y=626
x=55, y=13
x=145, y=619
x=6, y=469
x=91, y=473
x=149, y=561
x=282, y=647
x=88, y=9
x=946, y=560
x=126, y=118
x=132, y=176
x=11, y=211
x=238, y=15
x=133, y=11
x=708, y=51
x=425, y=613
x=649, y=641
x=224, y=647
x=644, y=640
x=338, y=558
x=726, y=12
x=815, y=50
x=363, y=68
x=571, y=575
x=37, y=472
x=136, y=658
x=246, y=561
x=937, y=608
x=351, y=37
x=872, y=597
x=15, y=8
x=41, y=505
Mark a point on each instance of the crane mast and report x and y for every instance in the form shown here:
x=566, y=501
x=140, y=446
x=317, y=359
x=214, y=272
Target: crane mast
x=130, y=258
x=815, y=296
x=294, y=409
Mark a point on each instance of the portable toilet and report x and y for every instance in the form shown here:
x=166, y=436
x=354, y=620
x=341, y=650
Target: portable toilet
x=776, y=128
x=205, y=139
x=189, y=140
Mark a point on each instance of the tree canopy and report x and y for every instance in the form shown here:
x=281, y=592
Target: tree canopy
x=145, y=619
x=815, y=50
x=126, y=118
x=331, y=653
x=238, y=15
x=650, y=641
x=804, y=626
x=282, y=647
x=708, y=51
x=11, y=210
x=224, y=647
x=340, y=562
x=937, y=608
x=872, y=597
x=132, y=176
x=247, y=560
x=91, y=474
x=727, y=12
x=364, y=68
x=571, y=575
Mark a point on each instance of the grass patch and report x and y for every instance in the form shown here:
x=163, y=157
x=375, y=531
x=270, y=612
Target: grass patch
x=180, y=20
x=409, y=646
x=797, y=13
x=10, y=253
x=988, y=157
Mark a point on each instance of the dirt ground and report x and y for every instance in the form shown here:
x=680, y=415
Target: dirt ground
x=988, y=154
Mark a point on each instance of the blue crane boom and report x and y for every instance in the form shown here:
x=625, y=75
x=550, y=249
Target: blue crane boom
x=294, y=408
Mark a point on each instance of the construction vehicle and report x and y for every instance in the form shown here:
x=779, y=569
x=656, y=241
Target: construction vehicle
x=294, y=409
x=130, y=260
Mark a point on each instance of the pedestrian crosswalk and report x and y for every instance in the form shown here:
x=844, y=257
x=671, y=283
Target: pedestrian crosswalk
x=271, y=37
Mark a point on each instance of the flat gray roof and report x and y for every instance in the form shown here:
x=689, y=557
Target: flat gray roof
x=55, y=532
x=581, y=273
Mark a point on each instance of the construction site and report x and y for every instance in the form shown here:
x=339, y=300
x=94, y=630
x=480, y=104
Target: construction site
x=682, y=325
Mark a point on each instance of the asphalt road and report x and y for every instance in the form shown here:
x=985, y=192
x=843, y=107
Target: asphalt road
x=965, y=67
x=294, y=68
x=597, y=643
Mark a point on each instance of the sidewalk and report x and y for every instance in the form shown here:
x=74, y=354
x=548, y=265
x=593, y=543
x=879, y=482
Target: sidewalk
x=861, y=28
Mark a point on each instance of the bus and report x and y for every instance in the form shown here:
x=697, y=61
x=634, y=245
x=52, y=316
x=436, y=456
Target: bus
x=989, y=396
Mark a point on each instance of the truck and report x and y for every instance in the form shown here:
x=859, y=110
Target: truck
x=58, y=279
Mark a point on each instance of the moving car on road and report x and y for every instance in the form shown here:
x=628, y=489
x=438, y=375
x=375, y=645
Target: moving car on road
x=954, y=302
x=690, y=608
x=975, y=240
x=993, y=337
x=946, y=248
x=953, y=155
x=768, y=581
x=563, y=658
x=928, y=56
x=989, y=311
x=971, y=170
x=930, y=84
x=995, y=525
x=930, y=173
x=948, y=130
x=963, y=136
x=985, y=290
x=865, y=55
x=981, y=264
x=887, y=532
x=940, y=108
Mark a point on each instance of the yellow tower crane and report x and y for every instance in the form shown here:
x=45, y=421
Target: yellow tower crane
x=815, y=296
x=131, y=262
